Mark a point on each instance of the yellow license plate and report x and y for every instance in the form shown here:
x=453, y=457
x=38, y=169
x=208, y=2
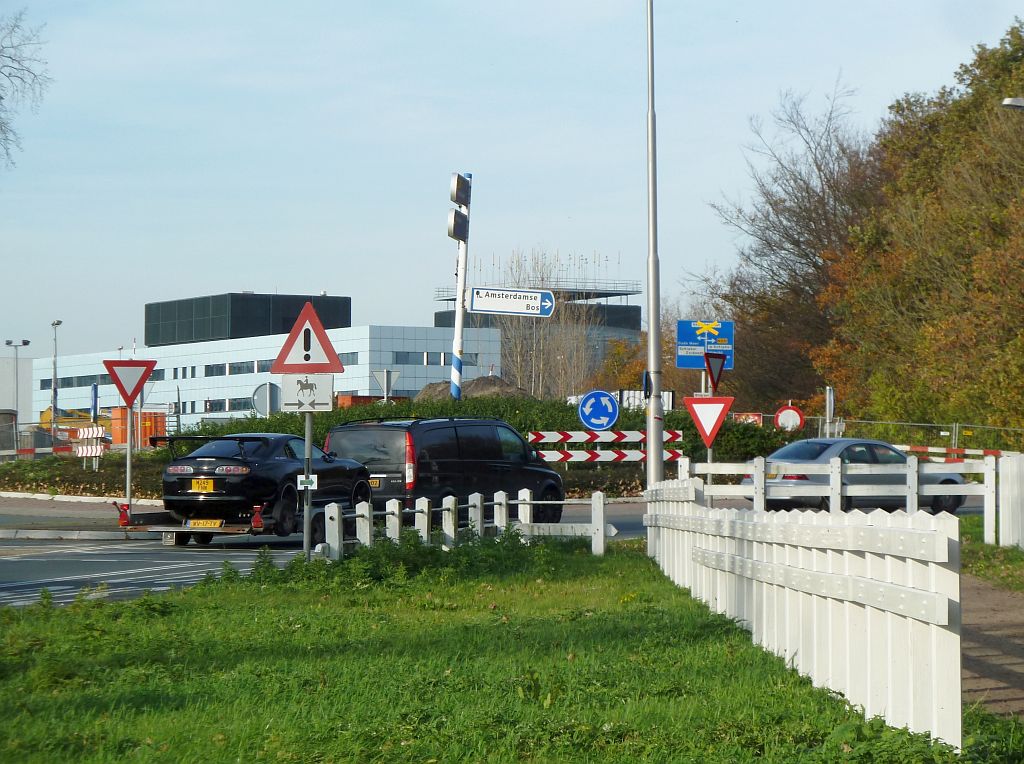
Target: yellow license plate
x=205, y=523
x=374, y=482
x=204, y=485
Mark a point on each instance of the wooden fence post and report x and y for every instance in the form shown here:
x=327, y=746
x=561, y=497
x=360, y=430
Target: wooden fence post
x=476, y=513
x=449, y=522
x=423, y=511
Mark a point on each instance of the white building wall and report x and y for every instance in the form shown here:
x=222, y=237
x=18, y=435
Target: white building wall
x=183, y=368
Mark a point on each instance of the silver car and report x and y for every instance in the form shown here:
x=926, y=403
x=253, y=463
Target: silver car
x=851, y=451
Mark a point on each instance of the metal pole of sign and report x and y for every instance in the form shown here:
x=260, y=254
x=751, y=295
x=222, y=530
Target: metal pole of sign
x=128, y=463
x=460, y=194
x=307, y=499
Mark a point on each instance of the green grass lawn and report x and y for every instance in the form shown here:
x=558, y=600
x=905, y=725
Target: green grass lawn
x=495, y=652
x=1002, y=566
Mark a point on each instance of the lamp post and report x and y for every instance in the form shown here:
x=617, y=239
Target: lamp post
x=53, y=388
x=17, y=401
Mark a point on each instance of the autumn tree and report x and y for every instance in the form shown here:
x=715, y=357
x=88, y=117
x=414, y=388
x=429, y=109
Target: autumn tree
x=814, y=180
x=23, y=77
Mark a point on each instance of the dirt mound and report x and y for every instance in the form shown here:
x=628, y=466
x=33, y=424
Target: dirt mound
x=474, y=388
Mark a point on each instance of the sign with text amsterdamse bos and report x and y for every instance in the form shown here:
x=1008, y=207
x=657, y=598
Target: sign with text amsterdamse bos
x=695, y=338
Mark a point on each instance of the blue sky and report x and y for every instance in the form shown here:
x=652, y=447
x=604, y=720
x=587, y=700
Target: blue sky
x=189, y=148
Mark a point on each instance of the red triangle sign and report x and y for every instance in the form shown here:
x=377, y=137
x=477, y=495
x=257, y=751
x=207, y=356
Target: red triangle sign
x=129, y=377
x=714, y=363
x=708, y=414
x=308, y=349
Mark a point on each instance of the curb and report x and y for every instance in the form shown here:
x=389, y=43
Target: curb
x=81, y=499
x=71, y=535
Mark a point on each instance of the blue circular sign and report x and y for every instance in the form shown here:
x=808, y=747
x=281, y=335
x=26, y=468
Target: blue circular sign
x=598, y=410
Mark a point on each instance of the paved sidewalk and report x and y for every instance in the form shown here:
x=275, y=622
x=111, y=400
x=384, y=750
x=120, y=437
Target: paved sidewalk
x=39, y=516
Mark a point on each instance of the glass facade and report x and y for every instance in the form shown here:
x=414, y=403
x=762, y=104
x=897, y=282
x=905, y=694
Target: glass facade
x=237, y=315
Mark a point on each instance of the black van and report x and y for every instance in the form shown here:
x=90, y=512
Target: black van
x=435, y=458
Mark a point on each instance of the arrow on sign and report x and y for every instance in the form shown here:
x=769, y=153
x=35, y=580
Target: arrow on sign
x=708, y=414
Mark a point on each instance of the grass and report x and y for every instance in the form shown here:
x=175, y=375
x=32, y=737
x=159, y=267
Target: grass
x=1001, y=566
x=496, y=652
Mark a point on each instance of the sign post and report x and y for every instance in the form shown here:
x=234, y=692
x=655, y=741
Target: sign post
x=458, y=229
x=129, y=377
x=308, y=361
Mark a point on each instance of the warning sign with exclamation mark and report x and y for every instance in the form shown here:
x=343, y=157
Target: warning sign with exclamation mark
x=308, y=349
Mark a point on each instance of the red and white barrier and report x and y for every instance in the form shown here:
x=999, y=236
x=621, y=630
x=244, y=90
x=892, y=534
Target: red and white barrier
x=601, y=436
x=612, y=455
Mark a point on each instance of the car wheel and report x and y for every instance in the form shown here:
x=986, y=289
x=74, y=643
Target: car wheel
x=181, y=539
x=550, y=513
x=945, y=503
x=285, y=512
x=317, y=530
x=202, y=538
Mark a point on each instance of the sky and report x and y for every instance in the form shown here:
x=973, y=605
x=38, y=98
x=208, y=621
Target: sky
x=189, y=148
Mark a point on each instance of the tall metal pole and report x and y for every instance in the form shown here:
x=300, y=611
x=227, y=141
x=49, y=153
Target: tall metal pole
x=17, y=396
x=53, y=388
x=655, y=410
x=460, y=195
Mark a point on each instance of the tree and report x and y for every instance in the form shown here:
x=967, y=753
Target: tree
x=815, y=180
x=547, y=357
x=23, y=77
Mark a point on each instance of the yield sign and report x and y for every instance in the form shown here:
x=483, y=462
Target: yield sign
x=308, y=349
x=714, y=363
x=129, y=376
x=708, y=414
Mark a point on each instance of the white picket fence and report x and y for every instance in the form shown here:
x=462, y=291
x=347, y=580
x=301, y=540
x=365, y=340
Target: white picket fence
x=864, y=603
x=597, y=529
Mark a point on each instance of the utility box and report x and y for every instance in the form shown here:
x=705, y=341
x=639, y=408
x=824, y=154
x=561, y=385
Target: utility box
x=147, y=424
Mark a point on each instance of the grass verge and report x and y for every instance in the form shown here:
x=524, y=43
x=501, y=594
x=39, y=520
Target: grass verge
x=495, y=652
x=999, y=565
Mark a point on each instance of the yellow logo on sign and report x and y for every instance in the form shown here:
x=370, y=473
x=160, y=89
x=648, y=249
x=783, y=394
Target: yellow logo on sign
x=710, y=327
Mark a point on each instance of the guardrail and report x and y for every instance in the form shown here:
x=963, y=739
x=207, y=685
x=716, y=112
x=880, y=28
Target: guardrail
x=502, y=517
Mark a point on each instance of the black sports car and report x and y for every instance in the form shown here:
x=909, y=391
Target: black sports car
x=250, y=479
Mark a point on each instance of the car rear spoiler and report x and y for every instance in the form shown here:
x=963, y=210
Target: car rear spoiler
x=170, y=440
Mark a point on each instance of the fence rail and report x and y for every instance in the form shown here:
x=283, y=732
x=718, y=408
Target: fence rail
x=865, y=603
x=363, y=513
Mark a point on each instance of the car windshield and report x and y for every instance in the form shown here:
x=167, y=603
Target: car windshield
x=372, y=445
x=804, y=450
x=220, y=449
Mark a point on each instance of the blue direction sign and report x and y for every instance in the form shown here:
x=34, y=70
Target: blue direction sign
x=517, y=302
x=695, y=338
x=598, y=410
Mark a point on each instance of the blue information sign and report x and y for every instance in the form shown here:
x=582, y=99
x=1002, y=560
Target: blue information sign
x=598, y=410
x=695, y=338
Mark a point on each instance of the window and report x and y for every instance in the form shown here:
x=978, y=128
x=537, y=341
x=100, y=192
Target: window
x=409, y=358
x=349, y=359
x=512, y=446
x=240, y=367
x=63, y=382
x=158, y=375
x=87, y=380
x=433, y=445
x=215, y=370
x=217, y=405
x=469, y=359
x=886, y=455
x=435, y=359
x=105, y=379
x=240, y=404
x=192, y=407
x=477, y=441
x=857, y=454
x=264, y=366
x=44, y=384
x=175, y=372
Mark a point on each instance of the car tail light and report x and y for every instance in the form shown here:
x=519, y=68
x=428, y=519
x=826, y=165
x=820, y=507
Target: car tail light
x=179, y=469
x=748, y=477
x=231, y=469
x=794, y=477
x=410, y=463
x=257, y=516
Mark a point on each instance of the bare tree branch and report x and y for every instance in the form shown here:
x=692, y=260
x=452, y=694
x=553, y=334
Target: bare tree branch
x=23, y=77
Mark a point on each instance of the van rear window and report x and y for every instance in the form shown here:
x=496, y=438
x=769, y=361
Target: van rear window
x=377, y=445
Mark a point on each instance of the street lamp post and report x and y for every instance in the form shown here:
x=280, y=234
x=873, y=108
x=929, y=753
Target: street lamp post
x=17, y=398
x=53, y=388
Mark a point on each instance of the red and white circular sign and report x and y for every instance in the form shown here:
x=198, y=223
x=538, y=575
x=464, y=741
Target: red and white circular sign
x=789, y=418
